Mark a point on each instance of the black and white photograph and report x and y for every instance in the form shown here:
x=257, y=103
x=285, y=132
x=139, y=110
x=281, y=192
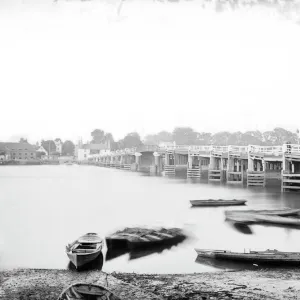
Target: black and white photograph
x=149, y=149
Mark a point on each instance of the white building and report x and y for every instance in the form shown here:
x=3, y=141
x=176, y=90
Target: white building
x=58, y=145
x=83, y=154
x=86, y=151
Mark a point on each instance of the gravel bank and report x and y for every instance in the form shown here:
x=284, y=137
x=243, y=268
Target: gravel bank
x=36, y=284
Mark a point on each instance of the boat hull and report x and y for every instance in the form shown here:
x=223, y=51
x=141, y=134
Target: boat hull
x=266, y=258
x=162, y=242
x=271, y=212
x=217, y=202
x=250, y=218
x=81, y=259
x=81, y=291
x=144, y=238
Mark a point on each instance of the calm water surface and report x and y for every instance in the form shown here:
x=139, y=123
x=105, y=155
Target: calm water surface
x=42, y=208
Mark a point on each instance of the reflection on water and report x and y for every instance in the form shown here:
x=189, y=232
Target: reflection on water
x=135, y=253
x=226, y=265
x=243, y=228
x=55, y=204
x=235, y=265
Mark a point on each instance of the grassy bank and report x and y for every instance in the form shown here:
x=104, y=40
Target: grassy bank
x=39, y=284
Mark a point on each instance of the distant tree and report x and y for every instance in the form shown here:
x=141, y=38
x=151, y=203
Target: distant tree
x=98, y=136
x=204, y=138
x=184, y=136
x=151, y=139
x=161, y=137
x=68, y=148
x=49, y=145
x=23, y=140
x=58, y=140
x=283, y=136
x=131, y=140
x=221, y=138
x=249, y=138
x=165, y=136
x=234, y=138
x=109, y=140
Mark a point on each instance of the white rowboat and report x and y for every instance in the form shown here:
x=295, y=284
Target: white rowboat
x=85, y=249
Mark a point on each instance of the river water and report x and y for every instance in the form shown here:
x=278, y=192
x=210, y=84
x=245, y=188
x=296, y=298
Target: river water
x=42, y=208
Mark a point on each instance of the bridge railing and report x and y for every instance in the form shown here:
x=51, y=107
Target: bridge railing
x=200, y=148
x=243, y=149
x=271, y=150
x=276, y=150
x=130, y=150
x=220, y=148
x=291, y=148
x=146, y=148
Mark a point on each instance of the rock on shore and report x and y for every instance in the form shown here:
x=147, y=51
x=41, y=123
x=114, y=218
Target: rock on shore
x=40, y=284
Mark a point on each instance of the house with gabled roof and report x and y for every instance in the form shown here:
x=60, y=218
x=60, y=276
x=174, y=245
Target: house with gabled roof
x=18, y=151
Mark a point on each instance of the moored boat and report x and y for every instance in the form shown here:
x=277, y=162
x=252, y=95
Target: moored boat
x=84, y=291
x=244, y=218
x=142, y=237
x=251, y=218
x=276, y=212
x=264, y=257
x=85, y=249
x=277, y=220
x=217, y=202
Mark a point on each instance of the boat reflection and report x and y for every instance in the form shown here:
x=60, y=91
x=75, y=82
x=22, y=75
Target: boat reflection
x=236, y=265
x=96, y=264
x=139, y=253
x=246, y=229
x=242, y=228
x=135, y=253
x=114, y=252
x=225, y=264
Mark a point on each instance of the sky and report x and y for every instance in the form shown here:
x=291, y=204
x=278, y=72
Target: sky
x=69, y=67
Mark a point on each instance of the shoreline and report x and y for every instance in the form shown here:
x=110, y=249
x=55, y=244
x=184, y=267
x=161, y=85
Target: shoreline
x=47, y=284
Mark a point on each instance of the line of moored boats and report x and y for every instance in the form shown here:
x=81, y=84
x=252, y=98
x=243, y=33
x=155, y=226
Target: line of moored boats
x=272, y=216
x=89, y=246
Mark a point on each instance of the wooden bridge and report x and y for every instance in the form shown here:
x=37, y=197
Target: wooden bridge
x=252, y=165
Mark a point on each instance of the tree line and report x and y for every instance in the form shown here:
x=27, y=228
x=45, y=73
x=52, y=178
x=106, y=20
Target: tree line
x=188, y=136
x=180, y=136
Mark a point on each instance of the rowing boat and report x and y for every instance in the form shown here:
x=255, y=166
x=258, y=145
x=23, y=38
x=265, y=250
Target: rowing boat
x=84, y=291
x=251, y=218
x=277, y=220
x=217, y=202
x=142, y=237
x=275, y=212
x=85, y=249
x=265, y=257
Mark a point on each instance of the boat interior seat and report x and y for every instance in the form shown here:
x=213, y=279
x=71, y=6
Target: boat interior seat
x=83, y=250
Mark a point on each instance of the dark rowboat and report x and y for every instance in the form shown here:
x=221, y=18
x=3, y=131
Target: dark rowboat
x=84, y=291
x=262, y=257
x=85, y=249
x=248, y=218
x=275, y=212
x=217, y=202
x=141, y=237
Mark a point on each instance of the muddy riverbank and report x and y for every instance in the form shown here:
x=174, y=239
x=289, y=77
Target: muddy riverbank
x=40, y=284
